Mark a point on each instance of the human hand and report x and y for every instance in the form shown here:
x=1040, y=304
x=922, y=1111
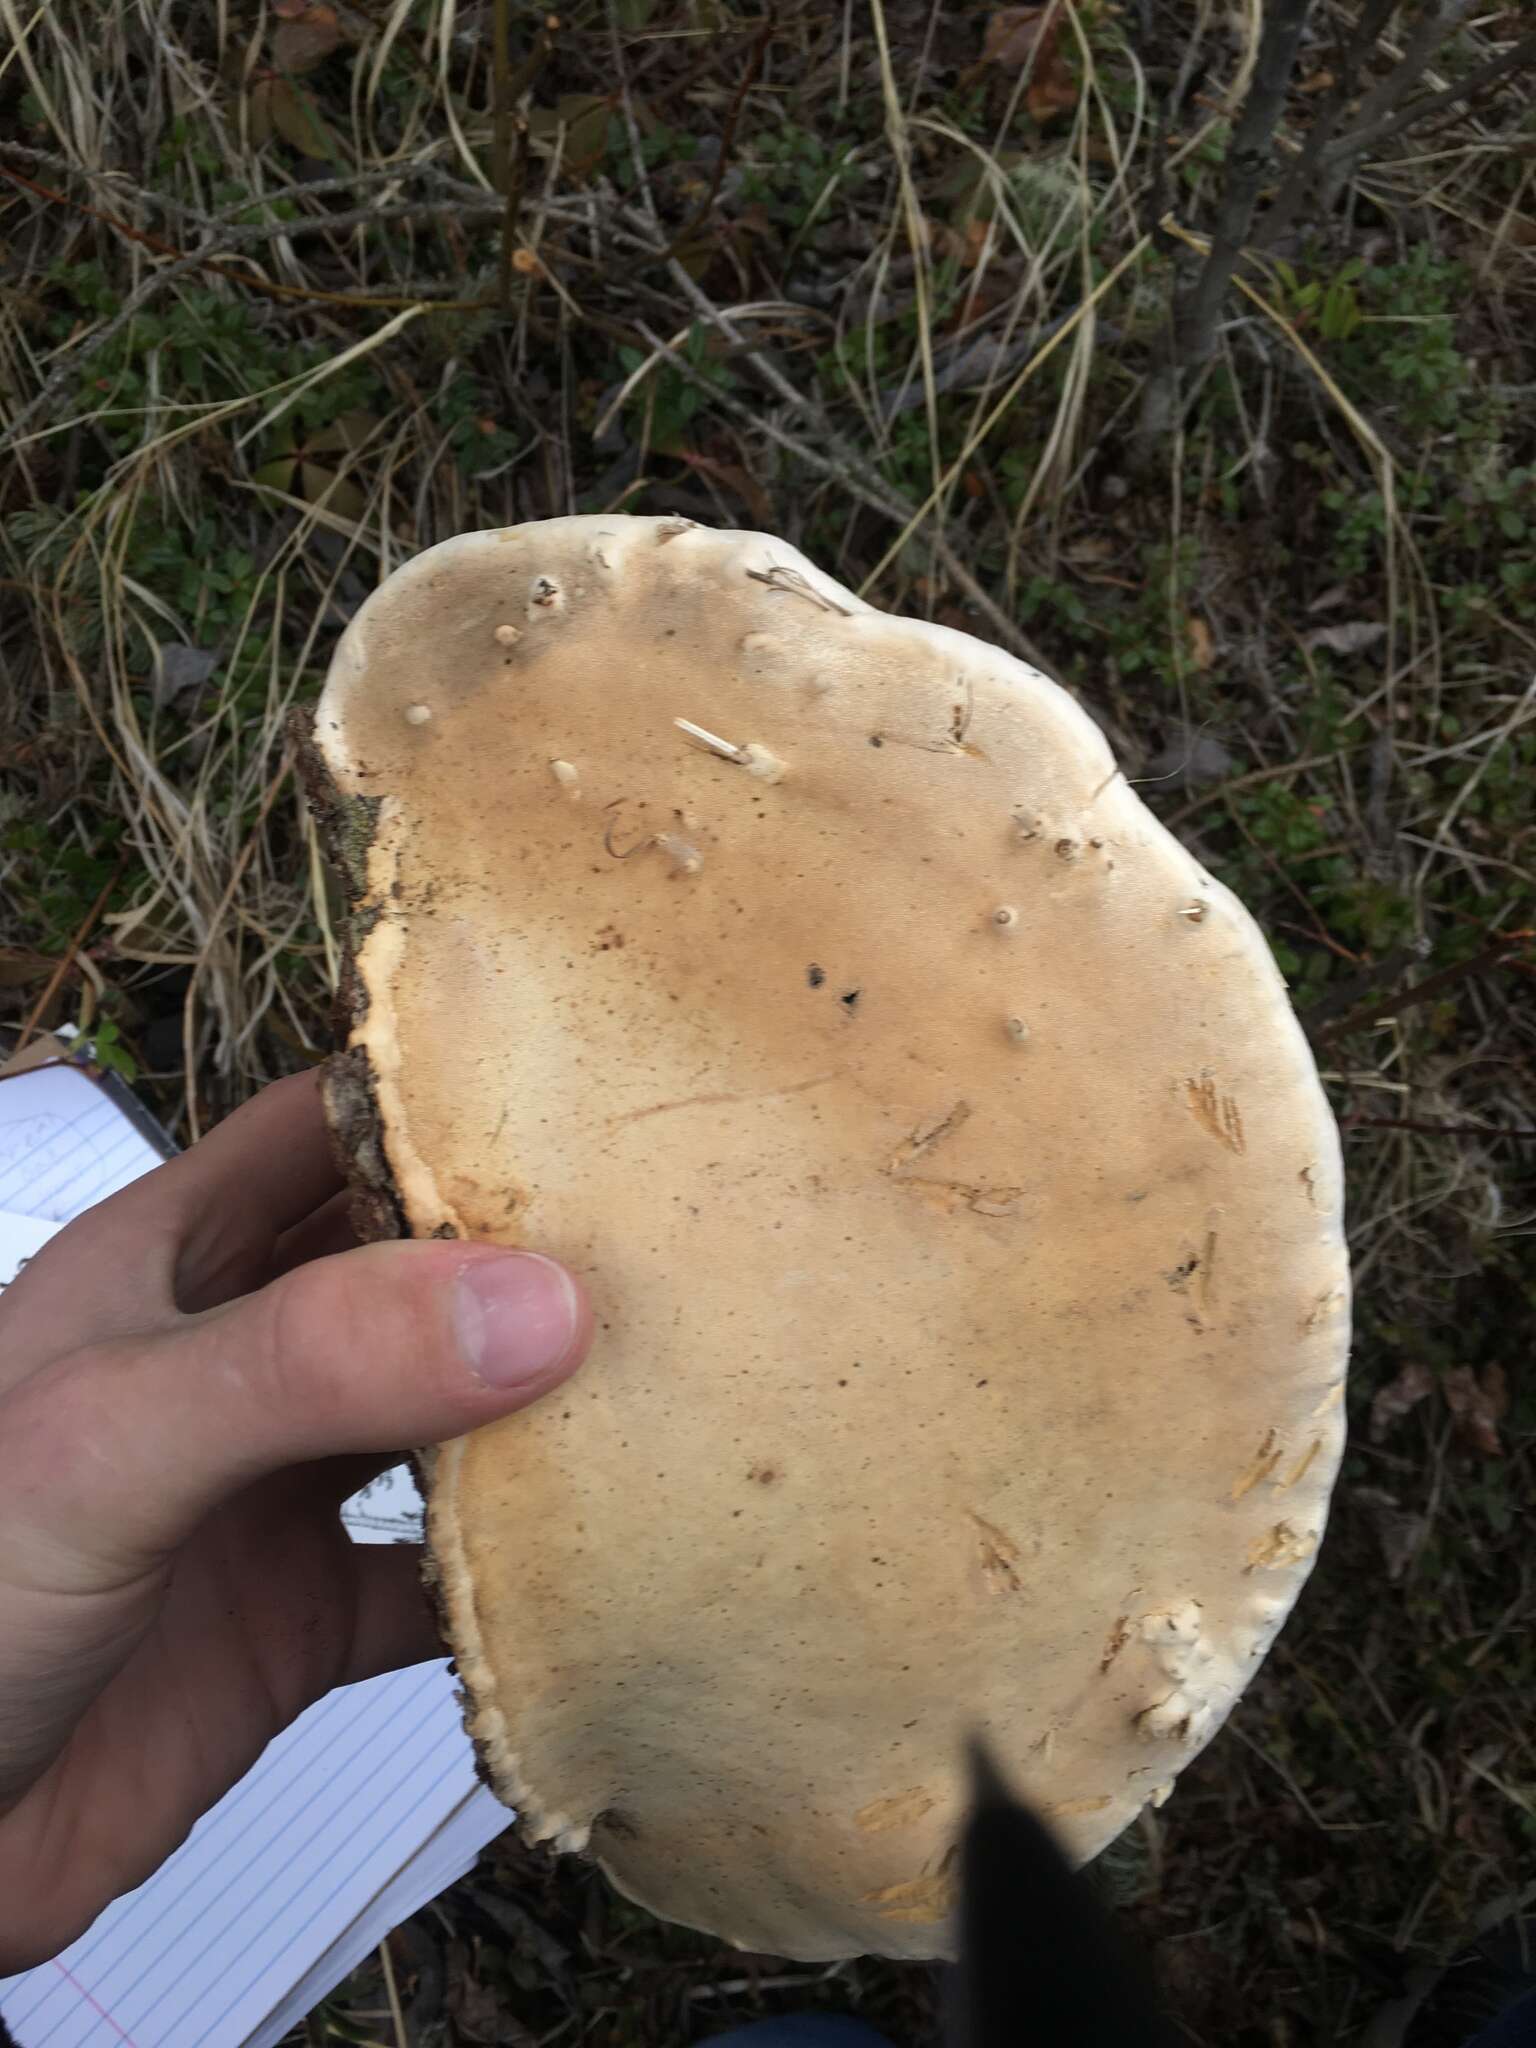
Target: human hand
x=193, y=1377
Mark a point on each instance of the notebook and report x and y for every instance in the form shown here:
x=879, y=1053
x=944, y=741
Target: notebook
x=355, y=1817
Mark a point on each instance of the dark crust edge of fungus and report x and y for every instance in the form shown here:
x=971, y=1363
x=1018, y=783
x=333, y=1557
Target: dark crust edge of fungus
x=346, y=825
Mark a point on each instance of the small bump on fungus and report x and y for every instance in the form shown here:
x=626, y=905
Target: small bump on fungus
x=685, y=858
x=758, y=761
x=846, y=1242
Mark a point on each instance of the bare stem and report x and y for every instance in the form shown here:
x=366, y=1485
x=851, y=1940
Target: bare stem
x=1248, y=167
x=1298, y=180
x=1190, y=338
x=501, y=82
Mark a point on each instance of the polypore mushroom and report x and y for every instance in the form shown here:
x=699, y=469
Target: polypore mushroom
x=972, y=1315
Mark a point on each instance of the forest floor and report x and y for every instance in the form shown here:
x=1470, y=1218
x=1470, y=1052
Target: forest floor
x=293, y=291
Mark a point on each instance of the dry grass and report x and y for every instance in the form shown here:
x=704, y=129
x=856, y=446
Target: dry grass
x=292, y=295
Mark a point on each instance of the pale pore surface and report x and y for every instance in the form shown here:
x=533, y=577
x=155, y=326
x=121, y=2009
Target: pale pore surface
x=955, y=1189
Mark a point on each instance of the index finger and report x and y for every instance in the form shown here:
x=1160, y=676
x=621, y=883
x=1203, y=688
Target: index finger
x=263, y=1170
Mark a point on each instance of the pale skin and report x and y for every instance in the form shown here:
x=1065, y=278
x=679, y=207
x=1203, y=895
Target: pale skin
x=193, y=1377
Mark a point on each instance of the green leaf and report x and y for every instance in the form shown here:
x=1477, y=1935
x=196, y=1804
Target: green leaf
x=338, y=494
x=276, y=475
x=299, y=122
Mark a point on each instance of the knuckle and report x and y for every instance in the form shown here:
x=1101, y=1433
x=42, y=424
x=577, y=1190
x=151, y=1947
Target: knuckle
x=57, y=1427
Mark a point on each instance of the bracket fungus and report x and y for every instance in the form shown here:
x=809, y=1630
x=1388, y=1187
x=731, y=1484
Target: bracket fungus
x=941, y=1388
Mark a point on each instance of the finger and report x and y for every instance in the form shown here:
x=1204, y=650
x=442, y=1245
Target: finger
x=110, y=1458
x=328, y=1231
x=256, y=1175
x=105, y=1276
x=80, y=1851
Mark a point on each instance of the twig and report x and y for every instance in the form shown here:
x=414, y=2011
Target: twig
x=74, y=366
x=81, y=932
x=509, y=86
x=631, y=125
x=842, y=468
x=1367, y=1014
x=1248, y=164
x=1189, y=338
x=501, y=81
x=1298, y=179
x=728, y=136
x=1434, y=27
x=1347, y=151
x=984, y=361
x=1254, y=777
x=1408, y=1123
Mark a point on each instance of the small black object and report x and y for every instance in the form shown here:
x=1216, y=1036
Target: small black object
x=1042, y=1963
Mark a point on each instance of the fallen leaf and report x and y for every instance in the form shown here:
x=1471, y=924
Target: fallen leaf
x=1392, y=1402
x=1353, y=637
x=1202, y=643
x=1013, y=33
x=958, y=621
x=338, y=494
x=305, y=36
x=1051, y=90
x=293, y=115
x=1478, y=1403
x=1200, y=759
x=578, y=124
x=179, y=668
x=1399, y=1531
x=1020, y=37
x=259, y=114
x=735, y=479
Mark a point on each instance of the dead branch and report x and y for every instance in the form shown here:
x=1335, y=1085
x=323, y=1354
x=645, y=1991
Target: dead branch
x=1248, y=167
x=1191, y=336
x=1327, y=159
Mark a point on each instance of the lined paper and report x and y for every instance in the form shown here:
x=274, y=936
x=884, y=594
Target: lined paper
x=64, y=1144
x=352, y=1819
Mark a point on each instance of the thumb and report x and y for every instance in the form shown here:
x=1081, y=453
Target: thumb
x=115, y=1454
